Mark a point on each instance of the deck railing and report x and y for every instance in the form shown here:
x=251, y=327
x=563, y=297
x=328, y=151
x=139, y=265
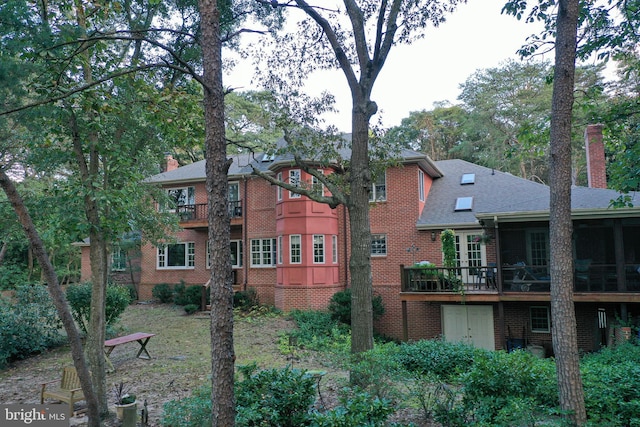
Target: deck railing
x=199, y=211
x=515, y=278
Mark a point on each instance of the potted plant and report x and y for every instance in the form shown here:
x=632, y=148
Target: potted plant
x=126, y=405
x=622, y=329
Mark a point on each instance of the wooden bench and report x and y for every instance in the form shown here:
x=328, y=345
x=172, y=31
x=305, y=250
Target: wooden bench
x=141, y=337
x=69, y=390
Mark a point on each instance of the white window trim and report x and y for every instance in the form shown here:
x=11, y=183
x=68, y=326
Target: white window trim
x=541, y=331
x=421, y=194
x=291, y=248
x=334, y=248
x=381, y=236
x=189, y=257
x=318, y=250
x=279, y=189
x=373, y=196
x=175, y=208
x=280, y=260
x=273, y=254
x=294, y=179
x=116, y=249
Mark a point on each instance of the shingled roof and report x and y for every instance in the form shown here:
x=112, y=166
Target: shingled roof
x=505, y=197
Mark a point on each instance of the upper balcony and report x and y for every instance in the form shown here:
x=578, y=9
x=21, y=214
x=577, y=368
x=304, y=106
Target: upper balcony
x=197, y=215
x=517, y=282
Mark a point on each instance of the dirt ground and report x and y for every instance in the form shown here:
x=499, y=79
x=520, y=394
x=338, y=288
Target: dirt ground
x=180, y=362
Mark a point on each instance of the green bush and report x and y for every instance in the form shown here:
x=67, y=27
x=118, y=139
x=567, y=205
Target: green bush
x=340, y=306
x=189, y=295
x=318, y=331
x=357, y=409
x=246, y=300
x=29, y=326
x=191, y=411
x=444, y=359
x=611, y=381
x=133, y=294
x=163, y=293
x=377, y=371
x=191, y=308
x=12, y=275
x=274, y=397
x=79, y=297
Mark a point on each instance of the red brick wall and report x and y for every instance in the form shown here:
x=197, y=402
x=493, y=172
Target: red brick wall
x=596, y=164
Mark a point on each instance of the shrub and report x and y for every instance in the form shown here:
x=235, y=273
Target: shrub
x=246, y=300
x=29, y=326
x=191, y=308
x=163, y=293
x=377, y=371
x=189, y=295
x=318, y=331
x=340, y=306
x=133, y=294
x=611, y=379
x=191, y=411
x=274, y=397
x=357, y=409
x=79, y=297
x=12, y=275
x=444, y=359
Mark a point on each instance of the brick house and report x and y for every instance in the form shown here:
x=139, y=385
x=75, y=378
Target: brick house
x=294, y=252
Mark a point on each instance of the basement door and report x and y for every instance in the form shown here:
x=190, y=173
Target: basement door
x=471, y=324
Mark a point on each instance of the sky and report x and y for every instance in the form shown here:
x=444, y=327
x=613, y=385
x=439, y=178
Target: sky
x=476, y=36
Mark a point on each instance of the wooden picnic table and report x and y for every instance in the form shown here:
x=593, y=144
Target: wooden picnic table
x=141, y=337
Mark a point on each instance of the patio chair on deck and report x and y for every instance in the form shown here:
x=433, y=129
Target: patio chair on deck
x=582, y=276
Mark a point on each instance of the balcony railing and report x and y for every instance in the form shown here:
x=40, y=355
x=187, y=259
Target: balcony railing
x=515, y=278
x=200, y=211
x=448, y=280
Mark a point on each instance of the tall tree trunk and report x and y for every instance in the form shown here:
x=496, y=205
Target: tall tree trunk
x=565, y=342
x=57, y=294
x=217, y=166
x=358, y=205
x=3, y=251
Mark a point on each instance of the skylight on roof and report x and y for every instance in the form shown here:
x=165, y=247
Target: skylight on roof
x=464, y=203
x=468, y=178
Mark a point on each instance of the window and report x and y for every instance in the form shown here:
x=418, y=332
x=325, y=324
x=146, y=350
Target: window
x=421, y=185
x=468, y=178
x=334, y=248
x=379, y=189
x=236, y=254
x=295, y=249
x=318, y=249
x=280, y=249
x=177, y=255
x=316, y=186
x=180, y=197
x=278, y=188
x=538, y=247
x=263, y=252
x=118, y=259
x=294, y=179
x=540, y=319
x=464, y=203
x=378, y=244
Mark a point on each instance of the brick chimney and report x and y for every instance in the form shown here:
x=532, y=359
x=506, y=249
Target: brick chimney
x=596, y=166
x=171, y=163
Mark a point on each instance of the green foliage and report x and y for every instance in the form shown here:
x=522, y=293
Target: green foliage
x=377, y=371
x=445, y=360
x=497, y=378
x=79, y=297
x=274, y=397
x=448, y=240
x=318, y=331
x=163, y=293
x=133, y=294
x=28, y=326
x=357, y=408
x=340, y=306
x=12, y=275
x=191, y=295
x=191, y=308
x=246, y=300
x=191, y=411
x=611, y=379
